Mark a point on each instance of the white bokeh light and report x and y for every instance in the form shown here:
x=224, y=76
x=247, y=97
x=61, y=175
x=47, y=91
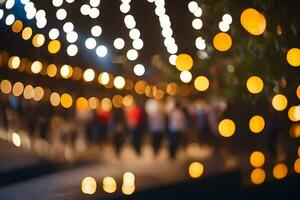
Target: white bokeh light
x=94, y=3
x=119, y=43
x=9, y=4
x=193, y=5
x=137, y=44
x=96, y=31
x=132, y=54
x=1, y=13
x=134, y=34
x=94, y=13
x=72, y=50
x=61, y=14
x=57, y=3
x=129, y=21
x=197, y=24
x=10, y=19
x=72, y=37
x=186, y=76
x=85, y=9
x=53, y=33
x=200, y=43
x=172, y=59
x=101, y=51
x=223, y=26
x=124, y=8
x=139, y=70
x=227, y=18
x=90, y=43
x=68, y=27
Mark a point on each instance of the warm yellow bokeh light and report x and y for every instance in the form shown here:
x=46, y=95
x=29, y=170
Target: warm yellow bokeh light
x=88, y=75
x=119, y=82
x=295, y=131
x=128, y=100
x=26, y=33
x=66, y=71
x=257, y=159
x=297, y=166
x=201, y=83
x=186, y=76
x=294, y=113
x=109, y=184
x=106, y=104
x=258, y=176
x=18, y=89
x=16, y=139
x=36, y=67
x=257, y=124
x=54, y=46
x=299, y=151
x=5, y=86
x=222, y=41
x=77, y=73
x=140, y=87
x=196, y=169
x=93, y=103
x=226, y=127
x=293, y=57
x=51, y=70
x=255, y=84
x=88, y=185
x=14, y=62
x=38, y=40
x=171, y=88
x=66, y=100
x=55, y=99
x=128, y=189
x=298, y=92
x=253, y=21
x=280, y=171
x=82, y=104
x=279, y=102
x=128, y=178
x=117, y=101
x=17, y=26
x=38, y=93
x=103, y=78
x=28, y=92
x=184, y=62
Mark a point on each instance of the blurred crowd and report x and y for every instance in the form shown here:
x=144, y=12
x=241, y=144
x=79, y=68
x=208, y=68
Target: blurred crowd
x=171, y=120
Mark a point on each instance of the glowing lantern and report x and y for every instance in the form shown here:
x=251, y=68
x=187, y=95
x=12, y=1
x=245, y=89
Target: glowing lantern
x=253, y=21
x=222, y=41
x=184, y=62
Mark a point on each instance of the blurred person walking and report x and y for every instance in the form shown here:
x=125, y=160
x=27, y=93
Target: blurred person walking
x=176, y=128
x=156, y=121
